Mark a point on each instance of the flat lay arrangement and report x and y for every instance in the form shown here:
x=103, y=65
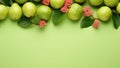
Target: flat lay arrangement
x=59, y=34
x=38, y=12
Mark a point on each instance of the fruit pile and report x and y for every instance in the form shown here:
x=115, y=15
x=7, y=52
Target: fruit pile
x=38, y=12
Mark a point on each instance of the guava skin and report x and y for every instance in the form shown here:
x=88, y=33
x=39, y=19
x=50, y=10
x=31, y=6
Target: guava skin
x=75, y=12
x=118, y=8
x=79, y=1
x=15, y=11
x=56, y=4
x=96, y=2
x=44, y=12
x=3, y=12
x=111, y=3
x=104, y=13
x=29, y=9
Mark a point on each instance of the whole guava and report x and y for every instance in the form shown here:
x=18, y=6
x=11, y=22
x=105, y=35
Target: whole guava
x=75, y=12
x=44, y=12
x=118, y=8
x=56, y=4
x=15, y=11
x=111, y=3
x=29, y=9
x=96, y=2
x=104, y=13
x=3, y=12
x=79, y=1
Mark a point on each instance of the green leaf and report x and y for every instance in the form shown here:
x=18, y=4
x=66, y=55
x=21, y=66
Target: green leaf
x=24, y=22
x=86, y=22
x=57, y=16
x=35, y=20
x=116, y=20
x=6, y=2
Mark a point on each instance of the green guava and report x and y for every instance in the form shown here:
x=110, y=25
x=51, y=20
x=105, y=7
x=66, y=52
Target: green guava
x=75, y=12
x=111, y=3
x=79, y=1
x=118, y=8
x=3, y=12
x=96, y=2
x=56, y=4
x=104, y=13
x=15, y=11
x=29, y=9
x=44, y=12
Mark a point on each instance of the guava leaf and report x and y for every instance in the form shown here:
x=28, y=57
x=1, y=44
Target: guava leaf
x=35, y=20
x=57, y=16
x=24, y=22
x=116, y=20
x=6, y=2
x=86, y=22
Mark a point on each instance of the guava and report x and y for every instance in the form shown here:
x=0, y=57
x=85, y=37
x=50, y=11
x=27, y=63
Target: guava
x=118, y=8
x=96, y=2
x=56, y=4
x=79, y=1
x=44, y=12
x=75, y=12
x=3, y=12
x=111, y=3
x=15, y=11
x=21, y=1
x=104, y=13
x=29, y=9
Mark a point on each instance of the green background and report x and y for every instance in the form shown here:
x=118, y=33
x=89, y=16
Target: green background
x=62, y=46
